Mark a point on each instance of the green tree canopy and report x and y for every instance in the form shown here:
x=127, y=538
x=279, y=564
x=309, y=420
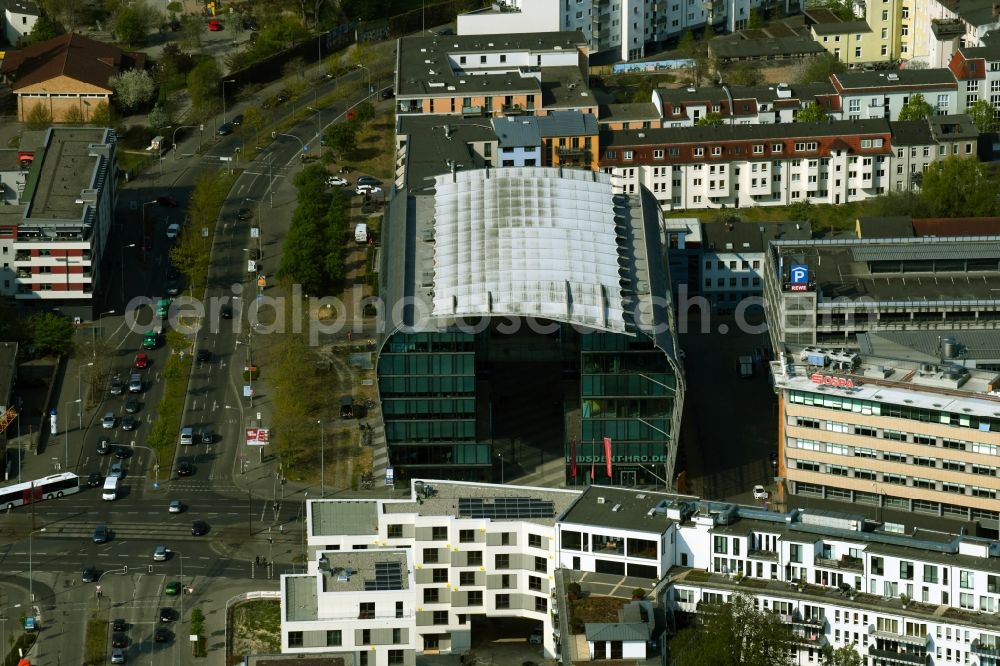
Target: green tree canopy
x=984, y=115
x=744, y=74
x=711, y=119
x=845, y=655
x=45, y=29
x=755, y=21
x=204, y=85
x=342, y=137
x=734, y=634
x=819, y=70
x=916, y=108
x=133, y=88
x=959, y=187
x=51, y=333
x=134, y=21
x=101, y=116
x=811, y=113
x=39, y=117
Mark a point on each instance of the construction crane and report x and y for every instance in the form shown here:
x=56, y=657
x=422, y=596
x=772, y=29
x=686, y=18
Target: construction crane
x=7, y=418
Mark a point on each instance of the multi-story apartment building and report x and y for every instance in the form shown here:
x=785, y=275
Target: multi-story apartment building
x=530, y=73
x=899, y=596
x=826, y=292
x=473, y=550
x=883, y=94
x=55, y=235
x=937, y=28
x=920, y=437
x=977, y=70
x=732, y=260
x=738, y=105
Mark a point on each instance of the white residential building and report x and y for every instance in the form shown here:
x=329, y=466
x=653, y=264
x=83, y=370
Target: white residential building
x=19, y=20
x=883, y=94
x=899, y=595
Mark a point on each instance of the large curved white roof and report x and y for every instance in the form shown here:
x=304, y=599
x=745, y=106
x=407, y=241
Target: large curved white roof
x=527, y=242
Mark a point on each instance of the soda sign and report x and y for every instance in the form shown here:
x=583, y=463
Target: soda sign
x=830, y=380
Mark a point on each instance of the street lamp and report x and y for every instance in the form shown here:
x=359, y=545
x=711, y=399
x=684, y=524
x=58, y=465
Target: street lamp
x=31, y=589
x=224, y=98
x=101, y=326
x=79, y=388
x=66, y=434
x=322, y=461
x=121, y=267
x=161, y=149
x=500, y=455
x=146, y=203
x=319, y=122
x=156, y=464
x=173, y=141
x=369, y=80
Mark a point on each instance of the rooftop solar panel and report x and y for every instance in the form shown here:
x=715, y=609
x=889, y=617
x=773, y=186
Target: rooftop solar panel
x=505, y=508
x=388, y=576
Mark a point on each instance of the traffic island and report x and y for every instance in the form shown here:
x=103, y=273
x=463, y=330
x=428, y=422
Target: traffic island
x=95, y=646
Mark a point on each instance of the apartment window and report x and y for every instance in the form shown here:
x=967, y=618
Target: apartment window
x=505, y=538
x=720, y=545
x=366, y=610
x=534, y=583
x=466, y=578
x=795, y=553
x=802, y=146
x=627, y=155
x=503, y=601
x=432, y=595
x=466, y=536
x=333, y=638
x=430, y=555
x=541, y=565
x=439, y=534
x=541, y=604
x=699, y=152
x=534, y=541
x=396, y=656
x=294, y=639
x=611, y=154
x=475, y=598
x=906, y=570
x=475, y=558
x=366, y=636
x=930, y=574
x=993, y=584
x=878, y=566
x=777, y=148
x=395, y=531
x=399, y=609
x=716, y=150
x=658, y=154
x=674, y=152
x=505, y=581
x=502, y=561
x=440, y=617
x=758, y=149
x=953, y=465
x=439, y=575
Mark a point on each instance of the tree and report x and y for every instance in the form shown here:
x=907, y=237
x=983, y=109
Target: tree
x=294, y=67
x=917, y=108
x=744, y=74
x=133, y=88
x=130, y=25
x=192, y=28
x=39, y=117
x=342, y=137
x=734, y=634
x=811, y=113
x=203, y=85
x=255, y=119
x=44, y=30
x=686, y=44
x=74, y=116
x=69, y=13
x=845, y=655
x=984, y=115
x=101, y=115
x=755, y=21
x=819, y=70
x=364, y=112
x=959, y=187
x=158, y=118
x=51, y=333
x=711, y=119
x=803, y=211
x=173, y=62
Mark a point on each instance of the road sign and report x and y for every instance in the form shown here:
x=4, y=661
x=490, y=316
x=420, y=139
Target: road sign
x=247, y=391
x=262, y=282
x=251, y=266
x=258, y=436
x=254, y=232
x=225, y=158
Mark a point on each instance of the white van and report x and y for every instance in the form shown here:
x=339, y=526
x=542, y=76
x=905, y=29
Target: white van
x=110, y=488
x=361, y=233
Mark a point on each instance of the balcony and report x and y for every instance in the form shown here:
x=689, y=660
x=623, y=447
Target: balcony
x=569, y=151
x=472, y=111
x=763, y=555
x=845, y=562
x=985, y=650
x=810, y=639
x=817, y=622
x=512, y=109
x=896, y=638
x=892, y=657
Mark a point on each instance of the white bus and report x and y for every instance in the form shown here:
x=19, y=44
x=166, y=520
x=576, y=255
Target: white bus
x=27, y=492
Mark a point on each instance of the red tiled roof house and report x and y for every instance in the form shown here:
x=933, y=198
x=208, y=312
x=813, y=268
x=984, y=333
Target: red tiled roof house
x=69, y=71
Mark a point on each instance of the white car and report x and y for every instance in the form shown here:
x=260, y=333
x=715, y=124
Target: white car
x=337, y=181
x=759, y=493
x=368, y=189
x=109, y=421
x=176, y=506
x=173, y=231
x=160, y=554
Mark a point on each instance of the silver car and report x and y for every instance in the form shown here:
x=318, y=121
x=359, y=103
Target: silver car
x=160, y=554
x=109, y=421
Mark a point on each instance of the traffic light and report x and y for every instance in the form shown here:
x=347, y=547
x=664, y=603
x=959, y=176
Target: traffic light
x=125, y=569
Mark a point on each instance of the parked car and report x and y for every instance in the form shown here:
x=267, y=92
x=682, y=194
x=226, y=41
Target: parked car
x=101, y=534
x=109, y=421
x=759, y=492
x=337, y=181
x=237, y=120
x=173, y=231
x=368, y=189
x=117, y=656
x=214, y=25
x=388, y=93
x=199, y=528
x=225, y=129
x=162, y=635
x=169, y=202
x=119, y=640
x=536, y=637
x=369, y=180
x=283, y=96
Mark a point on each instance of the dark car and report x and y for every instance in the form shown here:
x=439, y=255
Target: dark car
x=166, y=614
x=199, y=528
x=226, y=311
x=169, y=202
x=237, y=120
x=117, y=386
x=119, y=640
x=172, y=273
x=207, y=435
x=225, y=129
x=388, y=93
x=129, y=422
x=95, y=479
x=244, y=214
x=184, y=468
x=89, y=574
x=204, y=356
x=104, y=447
x=119, y=624
x=162, y=635
x=101, y=534
x=369, y=180
x=123, y=452
x=283, y=96
x=132, y=406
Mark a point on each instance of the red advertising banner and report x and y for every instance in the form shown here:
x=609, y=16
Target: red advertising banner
x=257, y=436
x=572, y=457
x=607, y=454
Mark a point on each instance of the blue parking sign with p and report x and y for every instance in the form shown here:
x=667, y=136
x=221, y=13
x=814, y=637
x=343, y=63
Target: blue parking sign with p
x=800, y=274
